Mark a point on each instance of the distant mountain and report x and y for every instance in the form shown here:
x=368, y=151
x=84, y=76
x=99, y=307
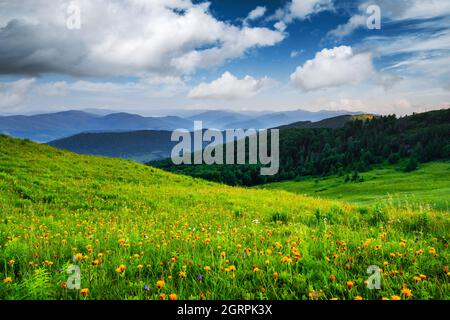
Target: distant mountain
x=330, y=123
x=219, y=118
x=47, y=127
x=275, y=119
x=52, y=126
x=141, y=146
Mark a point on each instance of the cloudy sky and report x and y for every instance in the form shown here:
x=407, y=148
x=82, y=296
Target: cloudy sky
x=149, y=55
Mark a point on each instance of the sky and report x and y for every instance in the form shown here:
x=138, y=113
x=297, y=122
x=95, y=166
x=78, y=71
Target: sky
x=153, y=56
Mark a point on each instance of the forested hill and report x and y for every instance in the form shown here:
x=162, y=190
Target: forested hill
x=354, y=147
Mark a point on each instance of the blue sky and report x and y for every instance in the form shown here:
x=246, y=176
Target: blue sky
x=158, y=56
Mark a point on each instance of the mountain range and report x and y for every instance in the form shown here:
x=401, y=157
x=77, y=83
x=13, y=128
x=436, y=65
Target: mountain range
x=152, y=145
x=52, y=126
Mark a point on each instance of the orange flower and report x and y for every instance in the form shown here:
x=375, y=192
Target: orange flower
x=78, y=256
x=64, y=285
x=207, y=268
x=332, y=278
x=84, y=292
x=173, y=296
x=160, y=284
x=232, y=268
x=275, y=275
x=7, y=280
x=406, y=292
x=121, y=268
x=162, y=296
x=395, y=298
x=349, y=284
x=96, y=262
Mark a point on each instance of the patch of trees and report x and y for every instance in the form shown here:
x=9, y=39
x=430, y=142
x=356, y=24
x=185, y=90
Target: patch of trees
x=354, y=148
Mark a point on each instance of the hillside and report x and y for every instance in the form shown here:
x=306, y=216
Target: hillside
x=141, y=146
x=330, y=123
x=427, y=186
x=137, y=232
x=356, y=146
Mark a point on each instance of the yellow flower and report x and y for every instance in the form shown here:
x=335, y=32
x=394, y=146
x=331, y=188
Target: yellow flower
x=84, y=292
x=406, y=293
x=255, y=269
x=78, y=256
x=140, y=266
x=275, y=275
x=422, y=276
x=223, y=254
x=173, y=296
x=384, y=298
x=207, y=268
x=267, y=262
x=11, y=262
x=162, y=296
x=395, y=298
x=232, y=268
x=182, y=274
x=357, y=298
x=7, y=280
x=417, y=279
x=160, y=284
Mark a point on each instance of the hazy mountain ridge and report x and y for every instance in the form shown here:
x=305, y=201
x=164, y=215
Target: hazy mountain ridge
x=52, y=126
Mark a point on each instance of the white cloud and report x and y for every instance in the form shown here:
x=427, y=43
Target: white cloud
x=256, y=13
x=302, y=9
x=14, y=93
x=334, y=67
x=280, y=26
x=229, y=87
x=395, y=11
x=346, y=29
x=121, y=38
x=295, y=53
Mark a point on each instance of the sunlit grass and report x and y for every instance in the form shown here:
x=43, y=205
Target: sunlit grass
x=140, y=233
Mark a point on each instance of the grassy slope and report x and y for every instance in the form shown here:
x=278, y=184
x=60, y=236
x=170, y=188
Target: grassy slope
x=429, y=185
x=108, y=212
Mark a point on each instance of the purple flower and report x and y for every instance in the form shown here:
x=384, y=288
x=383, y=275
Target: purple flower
x=146, y=288
x=59, y=270
x=200, y=277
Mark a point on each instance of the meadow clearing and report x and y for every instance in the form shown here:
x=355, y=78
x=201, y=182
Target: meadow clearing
x=429, y=185
x=137, y=232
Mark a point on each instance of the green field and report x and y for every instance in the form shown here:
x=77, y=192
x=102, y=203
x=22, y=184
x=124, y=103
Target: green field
x=137, y=232
x=427, y=186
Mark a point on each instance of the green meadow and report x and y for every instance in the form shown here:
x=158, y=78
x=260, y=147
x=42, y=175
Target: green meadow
x=429, y=185
x=136, y=232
